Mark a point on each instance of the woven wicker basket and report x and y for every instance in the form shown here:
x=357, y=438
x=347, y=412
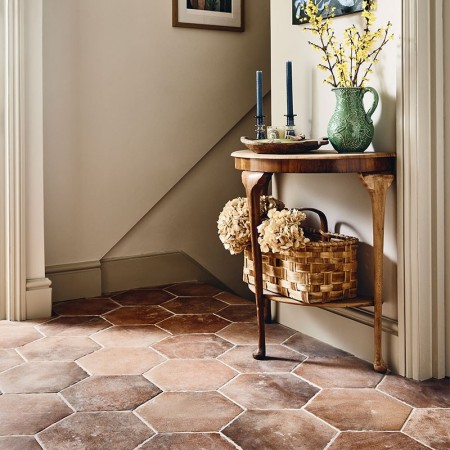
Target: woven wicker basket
x=322, y=271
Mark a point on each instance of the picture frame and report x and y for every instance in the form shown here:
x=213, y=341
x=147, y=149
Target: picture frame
x=343, y=7
x=224, y=15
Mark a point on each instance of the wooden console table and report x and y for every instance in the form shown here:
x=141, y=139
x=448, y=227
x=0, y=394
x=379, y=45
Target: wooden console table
x=375, y=170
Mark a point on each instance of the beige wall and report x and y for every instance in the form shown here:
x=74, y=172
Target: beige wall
x=185, y=219
x=341, y=197
x=130, y=106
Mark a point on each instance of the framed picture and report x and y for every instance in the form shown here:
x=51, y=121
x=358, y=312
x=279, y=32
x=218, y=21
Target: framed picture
x=226, y=15
x=342, y=7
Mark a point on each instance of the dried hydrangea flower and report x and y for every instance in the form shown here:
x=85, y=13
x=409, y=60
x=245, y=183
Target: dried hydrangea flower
x=281, y=232
x=234, y=222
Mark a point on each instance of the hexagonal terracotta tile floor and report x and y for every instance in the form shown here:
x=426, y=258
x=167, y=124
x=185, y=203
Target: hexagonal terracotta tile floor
x=16, y=334
x=27, y=414
x=85, y=307
x=188, y=441
x=232, y=299
x=359, y=409
x=73, y=326
x=197, y=375
x=121, y=361
x=139, y=297
x=94, y=430
x=19, y=443
x=239, y=313
x=9, y=358
x=59, y=348
x=193, y=289
x=193, y=346
x=110, y=393
x=247, y=333
x=430, y=426
x=427, y=394
x=188, y=411
x=287, y=430
x=171, y=367
x=130, y=336
x=137, y=315
x=375, y=440
x=347, y=371
x=194, y=323
x=269, y=391
x=194, y=305
x=281, y=359
x=41, y=376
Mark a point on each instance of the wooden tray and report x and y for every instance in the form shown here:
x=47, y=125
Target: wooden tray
x=283, y=146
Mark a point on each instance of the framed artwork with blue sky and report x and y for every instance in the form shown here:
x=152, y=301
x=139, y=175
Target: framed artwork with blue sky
x=342, y=7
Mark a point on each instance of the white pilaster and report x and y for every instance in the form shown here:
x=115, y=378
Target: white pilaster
x=25, y=291
x=421, y=189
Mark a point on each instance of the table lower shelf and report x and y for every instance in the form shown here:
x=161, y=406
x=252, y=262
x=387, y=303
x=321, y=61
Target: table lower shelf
x=347, y=303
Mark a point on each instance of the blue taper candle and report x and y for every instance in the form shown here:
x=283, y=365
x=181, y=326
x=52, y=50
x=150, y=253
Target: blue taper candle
x=259, y=97
x=290, y=103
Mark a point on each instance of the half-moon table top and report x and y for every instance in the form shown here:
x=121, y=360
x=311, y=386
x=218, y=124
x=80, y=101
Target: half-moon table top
x=318, y=161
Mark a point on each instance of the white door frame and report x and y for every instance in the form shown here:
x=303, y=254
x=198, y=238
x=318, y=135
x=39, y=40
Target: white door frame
x=421, y=199
x=25, y=291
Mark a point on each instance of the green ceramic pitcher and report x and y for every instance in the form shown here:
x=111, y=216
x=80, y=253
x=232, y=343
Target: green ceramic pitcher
x=350, y=129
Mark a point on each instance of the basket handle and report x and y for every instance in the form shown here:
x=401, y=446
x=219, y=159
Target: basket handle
x=323, y=222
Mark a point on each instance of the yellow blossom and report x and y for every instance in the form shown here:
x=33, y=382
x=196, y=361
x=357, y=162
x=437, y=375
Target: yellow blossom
x=351, y=61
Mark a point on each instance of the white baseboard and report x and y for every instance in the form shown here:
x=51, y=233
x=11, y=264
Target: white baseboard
x=38, y=298
x=152, y=270
x=76, y=280
x=334, y=327
x=93, y=278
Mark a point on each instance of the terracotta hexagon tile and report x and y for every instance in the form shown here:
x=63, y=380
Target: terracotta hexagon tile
x=41, y=376
x=232, y=299
x=120, y=361
x=359, y=409
x=9, y=358
x=313, y=347
x=59, y=348
x=193, y=289
x=239, y=313
x=26, y=414
x=84, y=307
x=344, y=372
x=73, y=326
x=370, y=440
x=420, y=394
x=140, y=297
x=188, y=411
x=193, y=346
x=130, y=336
x=110, y=393
x=194, y=305
x=19, y=443
x=431, y=427
x=194, y=323
x=137, y=315
x=187, y=441
x=247, y=333
x=190, y=375
x=281, y=359
x=16, y=334
x=266, y=391
x=94, y=430
x=287, y=430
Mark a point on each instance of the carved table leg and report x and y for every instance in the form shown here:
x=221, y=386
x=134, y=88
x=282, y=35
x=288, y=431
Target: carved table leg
x=267, y=304
x=377, y=186
x=255, y=184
